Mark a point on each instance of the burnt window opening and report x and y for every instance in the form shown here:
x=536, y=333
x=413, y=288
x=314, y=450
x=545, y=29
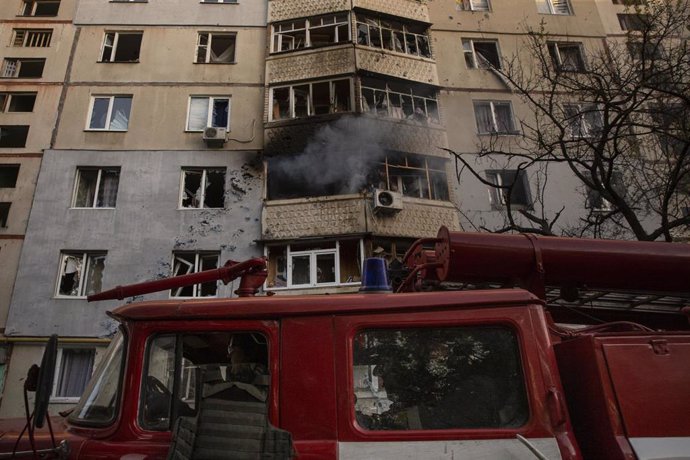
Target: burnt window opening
x=314, y=264
x=203, y=188
x=393, y=35
x=311, y=32
x=414, y=176
x=399, y=100
x=185, y=263
x=215, y=48
x=17, y=102
x=8, y=176
x=13, y=136
x=22, y=68
x=44, y=8
x=309, y=99
x=121, y=47
x=4, y=213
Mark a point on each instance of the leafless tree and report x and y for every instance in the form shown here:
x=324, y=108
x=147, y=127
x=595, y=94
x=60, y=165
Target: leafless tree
x=619, y=121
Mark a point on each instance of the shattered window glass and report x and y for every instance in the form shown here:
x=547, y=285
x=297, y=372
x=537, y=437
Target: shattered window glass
x=185, y=263
x=438, y=378
x=217, y=48
x=203, y=188
x=81, y=274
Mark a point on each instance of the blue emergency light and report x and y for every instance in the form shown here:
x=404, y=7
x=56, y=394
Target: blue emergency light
x=374, y=276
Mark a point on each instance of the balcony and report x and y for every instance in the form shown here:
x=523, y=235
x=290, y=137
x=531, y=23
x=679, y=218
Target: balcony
x=411, y=9
x=310, y=64
x=353, y=214
x=397, y=65
x=280, y=10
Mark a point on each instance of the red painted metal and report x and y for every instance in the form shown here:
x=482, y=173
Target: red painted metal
x=596, y=264
x=252, y=271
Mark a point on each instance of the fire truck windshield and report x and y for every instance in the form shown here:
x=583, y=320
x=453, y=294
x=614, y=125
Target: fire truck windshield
x=98, y=404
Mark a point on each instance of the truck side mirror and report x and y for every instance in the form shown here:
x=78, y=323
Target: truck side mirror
x=44, y=383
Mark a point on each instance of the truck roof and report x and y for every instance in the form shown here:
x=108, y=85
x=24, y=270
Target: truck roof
x=287, y=305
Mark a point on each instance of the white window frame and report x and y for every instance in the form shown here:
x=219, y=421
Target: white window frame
x=196, y=268
x=277, y=31
x=388, y=93
x=86, y=257
x=496, y=194
x=310, y=102
x=473, y=5
x=404, y=31
x=32, y=38
x=202, y=186
x=289, y=254
x=96, y=188
x=116, y=39
x=58, y=369
x=209, y=114
x=551, y=8
x=477, y=64
x=580, y=110
x=557, y=51
x=207, y=57
x=494, y=118
x=108, y=118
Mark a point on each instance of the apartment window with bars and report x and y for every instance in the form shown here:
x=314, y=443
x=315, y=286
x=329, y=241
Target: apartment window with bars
x=399, y=100
x=561, y=7
x=473, y=5
x=311, y=32
x=32, y=38
x=185, y=263
x=392, y=35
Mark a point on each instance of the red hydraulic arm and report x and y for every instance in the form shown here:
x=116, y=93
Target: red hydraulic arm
x=253, y=273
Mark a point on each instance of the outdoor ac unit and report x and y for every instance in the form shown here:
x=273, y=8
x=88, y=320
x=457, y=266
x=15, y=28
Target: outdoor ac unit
x=387, y=202
x=215, y=137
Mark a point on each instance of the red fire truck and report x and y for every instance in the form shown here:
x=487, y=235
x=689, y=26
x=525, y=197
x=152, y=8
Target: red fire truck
x=424, y=373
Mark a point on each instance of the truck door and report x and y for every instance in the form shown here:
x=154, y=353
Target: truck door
x=184, y=363
x=452, y=384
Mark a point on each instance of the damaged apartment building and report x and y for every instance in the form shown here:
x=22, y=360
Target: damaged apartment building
x=167, y=137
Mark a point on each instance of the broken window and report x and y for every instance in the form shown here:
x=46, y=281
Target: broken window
x=481, y=54
x=408, y=38
x=40, y=8
x=110, y=113
x=22, y=68
x=567, y=57
x=17, y=102
x=215, y=48
x=8, y=176
x=185, y=263
x=96, y=188
x=73, y=369
x=4, y=213
x=81, y=273
x=203, y=188
x=311, y=32
x=474, y=5
x=327, y=263
x=121, y=47
x=399, y=100
x=415, y=176
x=554, y=7
x=13, y=136
x=207, y=111
x=494, y=117
x=436, y=378
x=511, y=185
x=583, y=120
x=32, y=38
x=309, y=99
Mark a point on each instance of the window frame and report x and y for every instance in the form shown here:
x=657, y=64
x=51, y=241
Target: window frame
x=86, y=260
x=310, y=101
x=8, y=62
x=468, y=5
x=32, y=38
x=477, y=64
x=494, y=118
x=209, y=112
x=100, y=170
x=6, y=101
x=207, y=56
x=34, y=7
x=58, y=368
x=5, y=208
x=196, y=268
x=18, y=128
x=497, y=197
x=113, y=47
x=405, y=32
x=205, y=170
x=554, y=50
x=8, y=167
x=108, y=119
x=277, y=34
x=552, y=9
x=390, y=107
x=579, y=112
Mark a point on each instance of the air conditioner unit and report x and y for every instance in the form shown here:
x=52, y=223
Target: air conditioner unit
x=215, y=137
x=387, y=202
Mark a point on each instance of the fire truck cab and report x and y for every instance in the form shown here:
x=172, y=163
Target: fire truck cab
x=482, y=373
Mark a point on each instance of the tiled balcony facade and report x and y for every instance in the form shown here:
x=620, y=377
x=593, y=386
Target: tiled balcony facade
x=281, y=10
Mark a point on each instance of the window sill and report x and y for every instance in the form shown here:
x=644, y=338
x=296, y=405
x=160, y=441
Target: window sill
x=557, y=14
x=180, y=297
x=118, y=62
x=309, y=286
x=501, y=133
x=69, y=297
x=201, y=131
x=311, y=48
x=201, y=209
x=106, y=130
x=92, y=208
x=219, y=3
x=63, y=400
x=216, y=63
x=129, y=1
